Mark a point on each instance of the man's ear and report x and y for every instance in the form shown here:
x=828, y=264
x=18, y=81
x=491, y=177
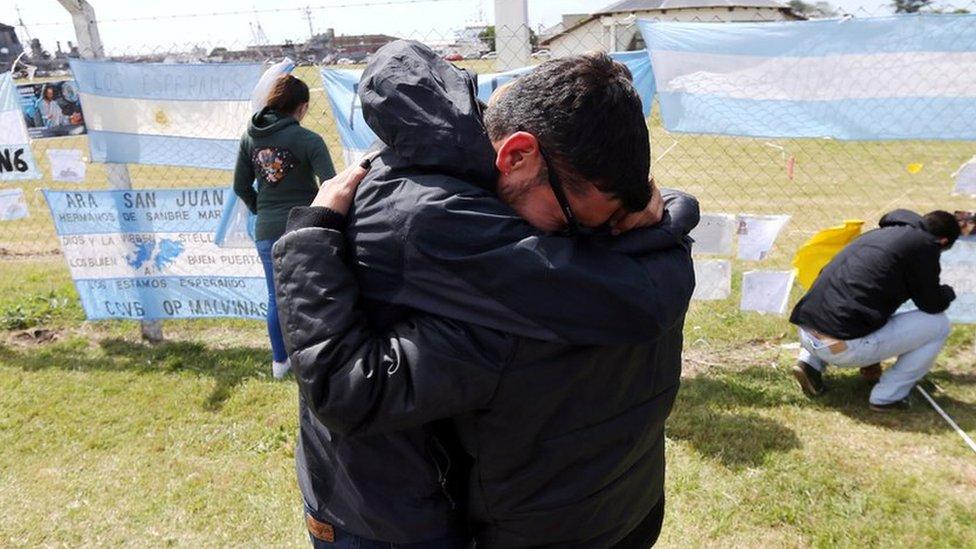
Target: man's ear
x=518, y=152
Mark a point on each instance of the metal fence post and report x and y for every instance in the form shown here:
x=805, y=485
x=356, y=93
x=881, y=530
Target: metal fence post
x=512, y=34
x=90, y=47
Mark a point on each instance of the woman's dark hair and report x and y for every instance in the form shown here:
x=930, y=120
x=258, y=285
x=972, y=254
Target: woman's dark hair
x=287, y=94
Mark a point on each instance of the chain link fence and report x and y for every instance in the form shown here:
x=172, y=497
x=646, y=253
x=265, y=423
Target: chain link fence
x=818, y=182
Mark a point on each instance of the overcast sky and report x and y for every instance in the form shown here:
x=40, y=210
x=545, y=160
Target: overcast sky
x=422, y=19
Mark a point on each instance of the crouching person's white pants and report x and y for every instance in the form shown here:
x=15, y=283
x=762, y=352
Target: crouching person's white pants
x=914, y=337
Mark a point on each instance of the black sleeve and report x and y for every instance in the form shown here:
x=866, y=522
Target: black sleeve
x=312, y=216
x=359, y=380
x=923, y=282
x=244, y=179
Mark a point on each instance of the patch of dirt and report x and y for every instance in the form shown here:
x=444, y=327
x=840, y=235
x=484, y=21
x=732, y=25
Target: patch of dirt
x=36, y=336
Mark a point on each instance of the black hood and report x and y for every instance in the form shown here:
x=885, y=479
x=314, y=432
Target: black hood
x=427, y=110
x=268, y=121
x=906, y=218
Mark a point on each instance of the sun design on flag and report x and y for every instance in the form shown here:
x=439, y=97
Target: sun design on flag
x=161, y=118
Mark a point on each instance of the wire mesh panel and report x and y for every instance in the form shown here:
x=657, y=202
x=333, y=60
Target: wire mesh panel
x=818, y=182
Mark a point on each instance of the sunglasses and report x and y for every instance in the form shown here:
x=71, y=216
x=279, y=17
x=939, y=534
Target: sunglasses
x=572, y=225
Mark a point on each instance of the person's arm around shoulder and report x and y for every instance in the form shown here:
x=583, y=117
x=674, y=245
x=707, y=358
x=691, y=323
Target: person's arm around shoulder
x=244, y=178
x=356, y=379
x=922, y=278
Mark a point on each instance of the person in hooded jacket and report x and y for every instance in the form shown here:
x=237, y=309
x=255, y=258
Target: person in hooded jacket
x=286, y=159
x=478, y=356
x=849, y=318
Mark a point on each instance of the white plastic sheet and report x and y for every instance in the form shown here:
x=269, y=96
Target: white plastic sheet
x=714, y=234
x=757, y=234
x=713, y=279
x=13, y=206
x=66, y=165
x=965, y=178
x=766, y=291
x=259, y=96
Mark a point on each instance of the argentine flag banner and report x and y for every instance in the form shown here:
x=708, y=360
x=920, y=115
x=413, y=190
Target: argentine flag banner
x=16, y=159
x=341, y=88
x=899, y=77
x=150, y=254
x=169, y=114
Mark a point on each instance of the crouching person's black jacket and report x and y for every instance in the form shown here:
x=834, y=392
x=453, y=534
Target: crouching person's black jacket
x=859, y=290
x=442, y=319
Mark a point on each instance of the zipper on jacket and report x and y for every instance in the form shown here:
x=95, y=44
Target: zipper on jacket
x=436, y=450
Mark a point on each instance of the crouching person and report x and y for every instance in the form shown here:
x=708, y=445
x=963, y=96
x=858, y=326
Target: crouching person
x=848, y=317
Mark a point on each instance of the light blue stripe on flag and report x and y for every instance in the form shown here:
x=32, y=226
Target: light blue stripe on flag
x=905, y=77
x=173, y=82
x=128, y=148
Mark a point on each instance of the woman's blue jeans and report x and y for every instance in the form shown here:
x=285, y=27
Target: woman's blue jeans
x=274, y=329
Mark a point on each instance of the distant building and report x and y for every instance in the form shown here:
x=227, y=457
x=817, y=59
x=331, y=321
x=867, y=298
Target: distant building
x=612, y=28
x=10, y=47
x=358, y=46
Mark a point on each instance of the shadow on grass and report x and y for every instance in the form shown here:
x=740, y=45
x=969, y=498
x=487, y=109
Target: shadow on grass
x=714, y=414
x=718, y=412
x=228, y=367
x=848, y=394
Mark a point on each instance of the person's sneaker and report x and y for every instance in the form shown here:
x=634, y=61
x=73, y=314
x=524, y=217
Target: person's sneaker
x=872, y=373
x=280, y=369
x=896, y=406
x=811, y=380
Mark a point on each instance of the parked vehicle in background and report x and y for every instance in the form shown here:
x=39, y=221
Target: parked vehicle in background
x=345, y=61
x=490, y=55
x=454, y=57
x=541, y=54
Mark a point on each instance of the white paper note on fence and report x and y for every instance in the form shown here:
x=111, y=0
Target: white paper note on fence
x=12, y=205
x=766, y=291
x=713, y=279
x=966, y=178
x=714, y=234
x=757, y=233
x=66, y=165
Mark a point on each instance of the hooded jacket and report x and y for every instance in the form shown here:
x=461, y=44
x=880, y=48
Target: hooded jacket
x=859, y=290
x=285, y=158
x=443, y=338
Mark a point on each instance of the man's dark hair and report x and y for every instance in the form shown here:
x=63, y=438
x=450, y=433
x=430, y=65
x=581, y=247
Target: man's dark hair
x=587, y=116
x=942, y=224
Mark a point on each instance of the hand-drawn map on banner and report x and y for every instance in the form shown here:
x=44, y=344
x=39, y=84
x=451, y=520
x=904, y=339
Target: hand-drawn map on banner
x=150, y=254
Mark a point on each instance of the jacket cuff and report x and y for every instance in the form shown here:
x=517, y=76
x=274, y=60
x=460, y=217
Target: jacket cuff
x=314, y=216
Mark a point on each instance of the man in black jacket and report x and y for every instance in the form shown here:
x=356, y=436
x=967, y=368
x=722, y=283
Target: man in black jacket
x=549, y=362
x=848, y=316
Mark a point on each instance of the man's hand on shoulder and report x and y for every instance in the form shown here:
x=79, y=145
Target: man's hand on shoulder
x=624, y=221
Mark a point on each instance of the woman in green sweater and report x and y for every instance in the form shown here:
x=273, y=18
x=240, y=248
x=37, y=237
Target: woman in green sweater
x=285, y=159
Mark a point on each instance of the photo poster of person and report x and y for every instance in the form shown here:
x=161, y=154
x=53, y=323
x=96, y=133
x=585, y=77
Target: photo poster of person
x=52, y=109
x=967, y=225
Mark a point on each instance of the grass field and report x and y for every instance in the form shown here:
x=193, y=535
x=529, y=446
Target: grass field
x=105, y=440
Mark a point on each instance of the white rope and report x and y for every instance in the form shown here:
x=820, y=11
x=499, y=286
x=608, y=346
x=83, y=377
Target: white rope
x=948, y=419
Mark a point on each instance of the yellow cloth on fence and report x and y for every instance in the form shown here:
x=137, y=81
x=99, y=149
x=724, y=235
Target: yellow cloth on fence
x=817, y=252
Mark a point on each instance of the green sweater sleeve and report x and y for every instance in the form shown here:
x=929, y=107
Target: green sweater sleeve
x=320, y=158
x=244, y=178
